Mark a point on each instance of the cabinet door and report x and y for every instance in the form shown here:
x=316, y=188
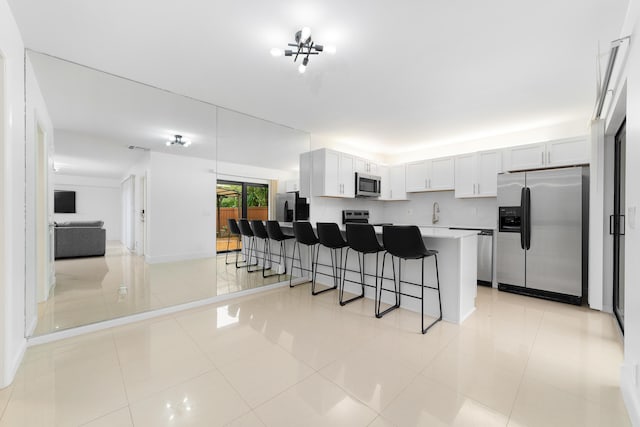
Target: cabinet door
x=489, y=164
x=385, y=184
x=330, y=174
x=416, y=176
x=568, y=152
x=360, y=165
x=465, y=181
x=442, y=174
x=527, y=157
x=397, y=177
x=373, y=168
x=347, y=175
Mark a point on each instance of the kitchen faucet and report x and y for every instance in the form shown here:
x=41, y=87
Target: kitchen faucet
x=436, y=211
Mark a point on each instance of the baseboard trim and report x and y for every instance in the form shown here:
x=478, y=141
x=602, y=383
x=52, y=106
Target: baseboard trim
x=630, y=393
x=15, y=364
x=80, y=330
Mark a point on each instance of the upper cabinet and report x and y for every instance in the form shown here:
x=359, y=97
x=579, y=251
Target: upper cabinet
x=366, y=166
x=476, y=174
x=430, y=175
x=564, y=152
x=332, y=174
x=393, y=182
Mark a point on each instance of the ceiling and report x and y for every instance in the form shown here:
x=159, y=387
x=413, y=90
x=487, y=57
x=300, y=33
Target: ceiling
x=405, y=74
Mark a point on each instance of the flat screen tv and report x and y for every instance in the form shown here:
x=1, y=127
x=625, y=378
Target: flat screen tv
x=64, y=201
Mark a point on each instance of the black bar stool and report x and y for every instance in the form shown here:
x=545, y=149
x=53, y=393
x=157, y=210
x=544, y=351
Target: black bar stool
x=234, y=230
x=275, y=233
x=361, y=239
x=304, y=235
x=245, y=230
x=405, y=243
x=261, y=233
x=330, y=237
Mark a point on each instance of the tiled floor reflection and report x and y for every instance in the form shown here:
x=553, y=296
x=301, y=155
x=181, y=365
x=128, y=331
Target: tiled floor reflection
x=94, y=289
x=284, y=358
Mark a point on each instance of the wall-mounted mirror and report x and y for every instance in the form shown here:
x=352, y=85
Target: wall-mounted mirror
x=124, y=222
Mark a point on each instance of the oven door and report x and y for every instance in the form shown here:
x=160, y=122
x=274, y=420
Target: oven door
x=367, y=185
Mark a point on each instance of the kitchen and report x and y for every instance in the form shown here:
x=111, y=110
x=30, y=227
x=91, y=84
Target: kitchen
x=455, y=197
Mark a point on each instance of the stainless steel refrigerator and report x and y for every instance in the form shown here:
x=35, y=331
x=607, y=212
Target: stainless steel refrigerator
x=543, y=233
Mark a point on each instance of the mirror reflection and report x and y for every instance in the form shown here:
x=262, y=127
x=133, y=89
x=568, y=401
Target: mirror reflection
x=132, y=189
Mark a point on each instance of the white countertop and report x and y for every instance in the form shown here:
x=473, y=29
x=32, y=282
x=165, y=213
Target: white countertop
x=439, y=232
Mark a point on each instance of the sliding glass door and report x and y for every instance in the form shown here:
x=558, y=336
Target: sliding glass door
x=235, y=200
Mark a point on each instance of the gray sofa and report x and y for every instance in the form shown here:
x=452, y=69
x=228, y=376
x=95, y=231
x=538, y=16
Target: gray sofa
x=79, y=239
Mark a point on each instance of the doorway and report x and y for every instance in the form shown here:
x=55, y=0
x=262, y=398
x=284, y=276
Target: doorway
x=235, y=200
x=617, y=223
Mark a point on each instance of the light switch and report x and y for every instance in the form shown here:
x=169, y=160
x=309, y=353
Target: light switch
x=631, y=217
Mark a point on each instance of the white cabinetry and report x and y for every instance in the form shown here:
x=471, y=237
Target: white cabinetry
x=393, y=182
x=476, y=174
x=333, y=174
x=565, y=152
x=430, y=175
x=366, y=166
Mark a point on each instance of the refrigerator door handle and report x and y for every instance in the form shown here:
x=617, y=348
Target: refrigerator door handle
x=622, y=225
x=523, y=219
x=611, y=224
x=527, y=200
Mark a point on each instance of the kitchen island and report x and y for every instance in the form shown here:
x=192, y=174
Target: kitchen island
x=457, y=262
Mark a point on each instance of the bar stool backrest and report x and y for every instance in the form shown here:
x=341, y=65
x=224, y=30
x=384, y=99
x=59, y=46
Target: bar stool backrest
x=362, y=238
x=258, y=229
x=233, y=226
x=245, y=228
x=304, y=233
x=404, y=241
x=329, y=235
x=274, y=231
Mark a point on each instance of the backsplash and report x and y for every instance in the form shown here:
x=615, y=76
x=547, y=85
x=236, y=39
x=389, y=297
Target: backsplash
x=475, y=212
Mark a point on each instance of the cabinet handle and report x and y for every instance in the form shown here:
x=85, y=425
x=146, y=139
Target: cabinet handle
x=426, y=183
x=549, y=157
x=391, y=194
x=474, y=189
x=542, y=158
x=478, y=187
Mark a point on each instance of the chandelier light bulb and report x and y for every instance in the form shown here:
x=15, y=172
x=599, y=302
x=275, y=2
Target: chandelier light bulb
x=276, y=52
x=302, y=68
x=330, y=49
x=168, y=144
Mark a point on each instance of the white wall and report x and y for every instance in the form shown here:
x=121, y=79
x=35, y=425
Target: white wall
x=181, y=197
x=96, y=199
x=12, y=277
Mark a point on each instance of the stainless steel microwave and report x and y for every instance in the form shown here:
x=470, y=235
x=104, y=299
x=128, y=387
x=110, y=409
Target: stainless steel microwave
x=367, y=185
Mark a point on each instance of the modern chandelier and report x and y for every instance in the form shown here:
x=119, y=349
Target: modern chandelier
x=178, y=141
x=304, y=47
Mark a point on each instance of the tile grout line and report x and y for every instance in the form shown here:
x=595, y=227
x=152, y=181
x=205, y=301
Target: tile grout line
x=526, y=366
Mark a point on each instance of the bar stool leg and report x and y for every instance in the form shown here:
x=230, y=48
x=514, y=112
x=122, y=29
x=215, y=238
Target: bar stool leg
x=395, y=287
x=226, y=256
x=293, y=258
x=424, y=330
x=238, y=254
x=341, y=299
x=333, y=269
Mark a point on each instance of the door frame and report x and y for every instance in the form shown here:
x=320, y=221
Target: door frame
x=616, y=219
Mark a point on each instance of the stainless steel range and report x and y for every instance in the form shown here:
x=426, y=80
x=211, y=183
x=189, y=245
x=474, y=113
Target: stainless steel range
x=358, y=216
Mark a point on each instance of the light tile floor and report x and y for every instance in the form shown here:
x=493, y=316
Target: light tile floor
x=95, y=289
x=284, y=358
